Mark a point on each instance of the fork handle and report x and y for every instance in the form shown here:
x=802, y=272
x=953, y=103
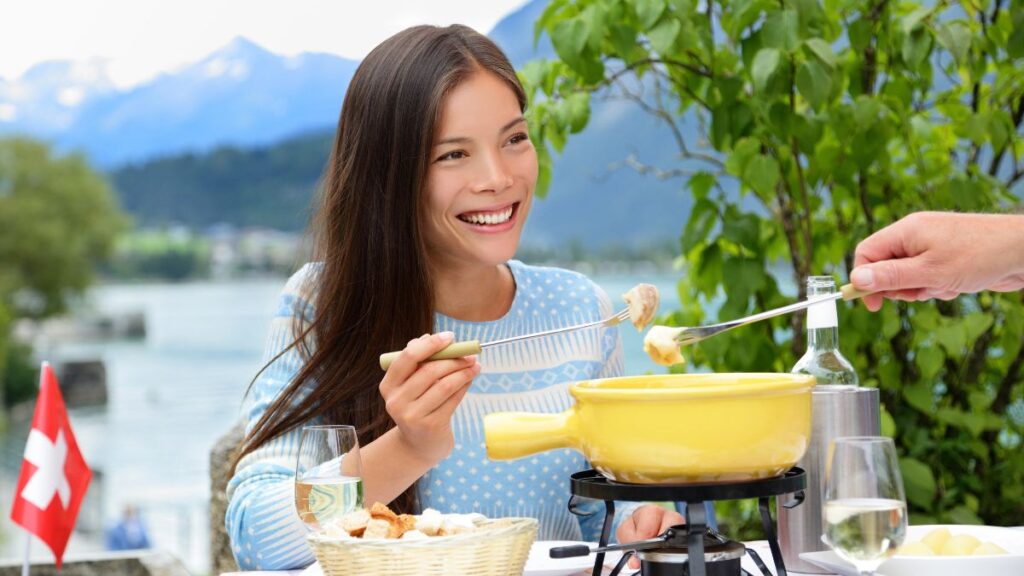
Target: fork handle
x=851, y=293
x=453, y=350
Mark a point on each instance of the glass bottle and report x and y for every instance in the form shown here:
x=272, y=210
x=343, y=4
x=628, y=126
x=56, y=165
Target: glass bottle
x=823, y=360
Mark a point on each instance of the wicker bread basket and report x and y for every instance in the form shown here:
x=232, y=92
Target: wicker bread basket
x=496, y=548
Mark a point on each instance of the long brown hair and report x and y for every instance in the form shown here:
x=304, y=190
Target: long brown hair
x=374, y=292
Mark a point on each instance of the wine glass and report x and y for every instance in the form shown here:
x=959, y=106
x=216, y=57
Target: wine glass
x=865, y=510
x=328, y=475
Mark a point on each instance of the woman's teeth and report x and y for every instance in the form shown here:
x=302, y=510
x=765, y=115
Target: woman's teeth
x=488, y=218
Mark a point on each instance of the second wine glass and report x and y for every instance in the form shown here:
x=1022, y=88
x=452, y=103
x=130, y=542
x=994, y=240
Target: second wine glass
x=865, y=511
x=328, y=475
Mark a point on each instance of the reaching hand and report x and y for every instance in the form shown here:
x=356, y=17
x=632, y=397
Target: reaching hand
x=940, y=255
x=422, y=396
x=646, y=522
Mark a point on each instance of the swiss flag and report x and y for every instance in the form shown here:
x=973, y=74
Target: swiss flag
x=54, y=477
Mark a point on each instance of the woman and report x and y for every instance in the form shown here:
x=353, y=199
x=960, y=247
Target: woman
x=424, y=198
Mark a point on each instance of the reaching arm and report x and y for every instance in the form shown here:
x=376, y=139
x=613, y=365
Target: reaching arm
x=941, y=255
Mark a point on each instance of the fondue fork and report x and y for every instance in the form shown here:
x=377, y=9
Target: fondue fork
x=691, y=335
x=468, y=347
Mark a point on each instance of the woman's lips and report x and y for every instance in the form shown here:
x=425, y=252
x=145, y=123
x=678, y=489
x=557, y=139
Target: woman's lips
x=491, y=221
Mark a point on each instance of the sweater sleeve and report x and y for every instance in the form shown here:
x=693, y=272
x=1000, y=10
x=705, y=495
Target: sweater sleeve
x=261, y=519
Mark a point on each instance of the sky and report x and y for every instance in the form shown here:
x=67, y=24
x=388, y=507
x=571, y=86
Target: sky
x=138, y=39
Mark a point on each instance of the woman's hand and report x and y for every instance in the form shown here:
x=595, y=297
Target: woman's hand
x=646, y=522
x=422, y=396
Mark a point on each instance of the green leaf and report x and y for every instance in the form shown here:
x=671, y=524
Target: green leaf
x=745, y=149
x=976, y=323
x=971, y=422
x=910, y=21
x=1015, y=43
x=578, y=106
x=1000, y=127
x=822, y=50
x=532, y=74
x=813, y=82
x=929, y=361
x=762, y=174
x=919, y=395
x=743, y=229
x=700, y=184
x=780, y=30
x=569, y=37
x=919, y=482
x=648, y=12
x=765, y=63
x=866, y=112
x=663, y=36
x=964, y=515
x=543, y=169
x=782, y=120
x=593, y=17
x=891, y=322
x=623, y=39
x=702, y=219
x=859, y=34
x=888, y=425
x=953, y=338
x=916, y=47
x=955, y=37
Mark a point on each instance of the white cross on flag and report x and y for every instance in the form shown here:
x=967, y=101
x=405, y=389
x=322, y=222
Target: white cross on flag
x=54, y=477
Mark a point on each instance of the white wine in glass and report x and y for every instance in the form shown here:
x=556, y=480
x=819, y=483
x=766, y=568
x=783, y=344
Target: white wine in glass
x=328, y=475
x=865, y=511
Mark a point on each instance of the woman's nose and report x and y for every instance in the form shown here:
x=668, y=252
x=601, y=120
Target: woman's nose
x=494, y=175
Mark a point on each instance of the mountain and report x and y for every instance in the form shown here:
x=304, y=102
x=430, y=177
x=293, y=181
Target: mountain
x=46, y=99
x=240, y=94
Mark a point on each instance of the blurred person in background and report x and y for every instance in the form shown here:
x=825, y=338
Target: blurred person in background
x=128, y=533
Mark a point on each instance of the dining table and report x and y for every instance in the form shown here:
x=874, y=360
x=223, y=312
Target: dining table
x=760, y=546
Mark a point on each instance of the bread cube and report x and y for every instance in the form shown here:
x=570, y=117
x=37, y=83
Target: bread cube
x=377, y=529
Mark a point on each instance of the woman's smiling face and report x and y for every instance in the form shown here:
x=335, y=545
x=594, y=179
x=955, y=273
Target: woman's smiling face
x=482, y=175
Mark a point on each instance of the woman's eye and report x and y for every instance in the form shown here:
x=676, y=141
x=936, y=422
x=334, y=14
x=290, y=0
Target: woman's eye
x=517, y=138
x=453, y=155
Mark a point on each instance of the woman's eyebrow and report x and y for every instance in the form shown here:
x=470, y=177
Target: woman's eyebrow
x=464, y=139
x=512, y=123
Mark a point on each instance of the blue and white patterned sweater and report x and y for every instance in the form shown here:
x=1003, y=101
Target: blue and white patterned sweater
x=529, y=376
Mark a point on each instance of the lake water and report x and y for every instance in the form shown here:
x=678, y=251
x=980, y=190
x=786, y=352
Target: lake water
x=172, y=395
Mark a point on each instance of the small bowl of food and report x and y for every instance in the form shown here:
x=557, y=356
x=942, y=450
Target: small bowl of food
x=378, y=541
x=944, y=550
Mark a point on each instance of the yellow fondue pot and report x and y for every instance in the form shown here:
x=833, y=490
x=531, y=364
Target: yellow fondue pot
x=675, y=428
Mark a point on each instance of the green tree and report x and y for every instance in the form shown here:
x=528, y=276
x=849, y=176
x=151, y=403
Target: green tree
x=58, y=220
x=801, y=127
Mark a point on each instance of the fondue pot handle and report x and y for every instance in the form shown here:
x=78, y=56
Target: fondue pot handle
x=510, y=435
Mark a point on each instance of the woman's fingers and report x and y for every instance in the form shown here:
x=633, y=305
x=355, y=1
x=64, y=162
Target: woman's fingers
x=428, y=374
x=442, y=391
x=414, y=353
x=670, y=519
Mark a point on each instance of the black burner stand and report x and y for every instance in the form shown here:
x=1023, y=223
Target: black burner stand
x=591, y=484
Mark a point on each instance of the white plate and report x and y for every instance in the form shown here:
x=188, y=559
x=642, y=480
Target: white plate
x=540, y=563
x=1007, y=538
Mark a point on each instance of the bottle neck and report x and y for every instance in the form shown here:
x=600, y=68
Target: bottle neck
x=823, y=338
x=822, y=319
